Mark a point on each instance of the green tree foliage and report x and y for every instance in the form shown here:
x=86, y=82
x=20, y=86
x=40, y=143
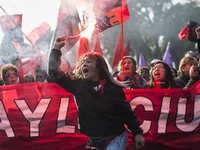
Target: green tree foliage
x=151, y=26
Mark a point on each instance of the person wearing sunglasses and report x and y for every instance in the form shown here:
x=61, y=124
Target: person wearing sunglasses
x=161, y=77
x=9, y=74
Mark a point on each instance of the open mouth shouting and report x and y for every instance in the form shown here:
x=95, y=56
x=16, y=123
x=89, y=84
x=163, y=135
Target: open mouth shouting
x=126, y=68
x=157, y=75
x=13, y=82
x=89, y=69
x=85, y=71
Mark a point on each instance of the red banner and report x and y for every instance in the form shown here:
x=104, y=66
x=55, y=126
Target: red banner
x=43, y=116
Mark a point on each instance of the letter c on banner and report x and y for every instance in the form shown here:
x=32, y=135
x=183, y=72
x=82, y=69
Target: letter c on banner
x=148, y=106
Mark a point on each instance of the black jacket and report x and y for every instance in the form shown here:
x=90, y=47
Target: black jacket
x=98, y=116
x=198, y=45
x=186, y=81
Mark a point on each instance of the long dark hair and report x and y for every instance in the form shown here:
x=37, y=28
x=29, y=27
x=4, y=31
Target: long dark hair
x=100, y=64
x=168, y=74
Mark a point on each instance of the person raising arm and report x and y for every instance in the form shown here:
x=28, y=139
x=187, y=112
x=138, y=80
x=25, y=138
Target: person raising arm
x=101, y=103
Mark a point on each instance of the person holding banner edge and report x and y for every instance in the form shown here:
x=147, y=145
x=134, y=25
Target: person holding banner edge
x=101, y=103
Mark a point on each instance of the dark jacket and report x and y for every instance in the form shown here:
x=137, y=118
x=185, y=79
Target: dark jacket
x=198, y=45
x=99, y=116
x=186, y=81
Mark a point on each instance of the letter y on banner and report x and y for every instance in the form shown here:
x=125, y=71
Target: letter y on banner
x=35, y=117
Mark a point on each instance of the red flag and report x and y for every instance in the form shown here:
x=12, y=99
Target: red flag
x=41, y=38
x=67, y=24
x=97, y=47
x=188, y=32
x=83, y=47
x=39, y=32
x=12, y=35
x=29, y=66
x=118, y=52
x=108, y=13
x=127, y=52
x=184, y=33
x=7, y=24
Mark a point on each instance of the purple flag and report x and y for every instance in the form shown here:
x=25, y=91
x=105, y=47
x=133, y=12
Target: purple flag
x=142, y=61
x=167, y=57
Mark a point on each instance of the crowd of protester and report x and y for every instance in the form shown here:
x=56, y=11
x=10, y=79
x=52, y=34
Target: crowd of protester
x=158, y=75
x=158, y=72
x=10, y=75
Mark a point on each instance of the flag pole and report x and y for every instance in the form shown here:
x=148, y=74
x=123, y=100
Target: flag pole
x=24, y=34
x=122, y=30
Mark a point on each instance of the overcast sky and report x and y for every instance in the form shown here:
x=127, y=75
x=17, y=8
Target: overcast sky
x=34, y=12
